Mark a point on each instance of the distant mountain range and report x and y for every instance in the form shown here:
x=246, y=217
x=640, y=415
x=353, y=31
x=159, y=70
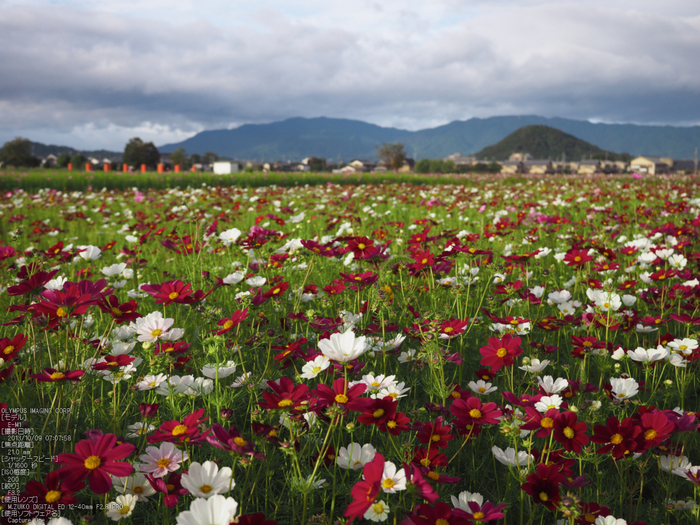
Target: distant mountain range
x=543, y=142
x=42, y=150
x=296, y=138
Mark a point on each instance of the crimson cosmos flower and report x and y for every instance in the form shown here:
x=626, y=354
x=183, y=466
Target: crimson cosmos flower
x=186, y=431
x=168, y=292
x=471, y=411
x=543, y=424
x=569, y=433
x=396, y=424
x=543, y=485
x=656, y=429
x=51, y=493
x=9, y=348
x=577, y=257
x=618, y=438
x=378, y=411
x=172, y=489
x=479, y=513
x=365, y=492
x=452, y=328
x=437, y=433
x=441, y=513
x=231, y=441
x=255, y=519
x=121, y=313
x=228, y=324
x=343, y=396
x=500, y=352
x=286, y=395
x=51, y=375
x=96, y=461
x=415, y=479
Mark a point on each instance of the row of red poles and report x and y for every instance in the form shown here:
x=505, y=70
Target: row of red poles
x=125, y=168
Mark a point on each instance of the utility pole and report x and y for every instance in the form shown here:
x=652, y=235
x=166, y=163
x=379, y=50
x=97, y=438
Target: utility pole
x=696, y=161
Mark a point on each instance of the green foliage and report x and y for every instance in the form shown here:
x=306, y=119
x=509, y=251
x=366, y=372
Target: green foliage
x=436, y=166
x=179, y=157
x=18, y=152
x=63, y=160
x=393, y=154
x=209, y=157
x=544, y=142
x=317, y=164
x=423, y=166
x=78, y=160
x=138, y=152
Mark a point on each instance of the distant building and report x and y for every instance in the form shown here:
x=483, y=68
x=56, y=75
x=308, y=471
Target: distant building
x=520, y=157
x=458, y=159
x=651, y=165
x=539, y=167
x=684, y=166
x=511, y=167
x=226, y=167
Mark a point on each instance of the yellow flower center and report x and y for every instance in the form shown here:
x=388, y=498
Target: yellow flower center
x=502, y=352
x=475, y=413
x=285, y=403
x=442, y=521
x=61, y=312
x=621, y=395
x=435, y=438
x=57, y=375
x=478, y=515
x=378, y=413
x=481, y=389
x=376, y=384
x=425, y=462
x=361, y=246
x=173, y=295
x=138, y=490
x=163, y=462
x=156, y=333
x=433, y=475
x=341, y=398
x=388, y=483
x=391, y=424
x=170, y=487
x=239, y=441
x=569, y=433
x=576, y=259
x=52, y=496
x=544, y=496
x=590, y=518
x=378, y=508
x=9, y=349
x=448, y=330
x=650, y=434
x=117, y=312
x=547, y=422
x=179, y=430
x=92, y=462
x=206, y=489
x=616, y=439
x=682, y=347
x=125, y=509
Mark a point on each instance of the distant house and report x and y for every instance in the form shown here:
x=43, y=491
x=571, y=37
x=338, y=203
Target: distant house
x=460, y=160
x=586, y=167
x=49, y=160
x=651, y=165
x=408, y=166
x=511, y=167
x=226, y=167
x=520, y=157
x=539, y=167
x=684, y=166
x=347, y=170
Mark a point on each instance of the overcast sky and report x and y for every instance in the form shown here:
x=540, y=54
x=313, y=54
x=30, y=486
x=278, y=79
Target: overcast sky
x=93, y=73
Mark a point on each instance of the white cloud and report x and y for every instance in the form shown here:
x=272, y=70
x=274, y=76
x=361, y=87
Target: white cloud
x=94, y=73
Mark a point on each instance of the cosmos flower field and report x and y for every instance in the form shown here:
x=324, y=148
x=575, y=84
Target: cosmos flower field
x=489, y=351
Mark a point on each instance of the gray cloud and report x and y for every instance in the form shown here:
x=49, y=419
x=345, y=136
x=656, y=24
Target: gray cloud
x=91, y=76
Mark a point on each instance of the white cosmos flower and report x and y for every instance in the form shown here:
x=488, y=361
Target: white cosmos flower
x=377, y=383
x=624, y=388
x=535, y=366
x=629, y=300
x=56, y=284
x=151, y=382
x=566, y=308
x=131, y=239
x=229, y=236
x=114, y=270
x=508, y=458
x=547, y=402
x=122, y=507
x=642, y=355
x=378, y=511
x=393, y=391
x=677, y=360
x=462, y=502
x=314, y=367
x=206, y=479
x=137, y=485
x=355, y=456
x=607, y=301
x=152, y=327
x=481, y=387
x=609, y=520
x=175, y=385
x=552, y=386
x=408, y=356
x=560, y=297
x=91, y=253
x=234, y=278
x=216, y=510
x=201, y=386
x=685, y=346
x=138, y=429
x=224, y=370
x=256, y=282
x=675, y=464
x=393, y=479
x=343, y=347
x=677, y=261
